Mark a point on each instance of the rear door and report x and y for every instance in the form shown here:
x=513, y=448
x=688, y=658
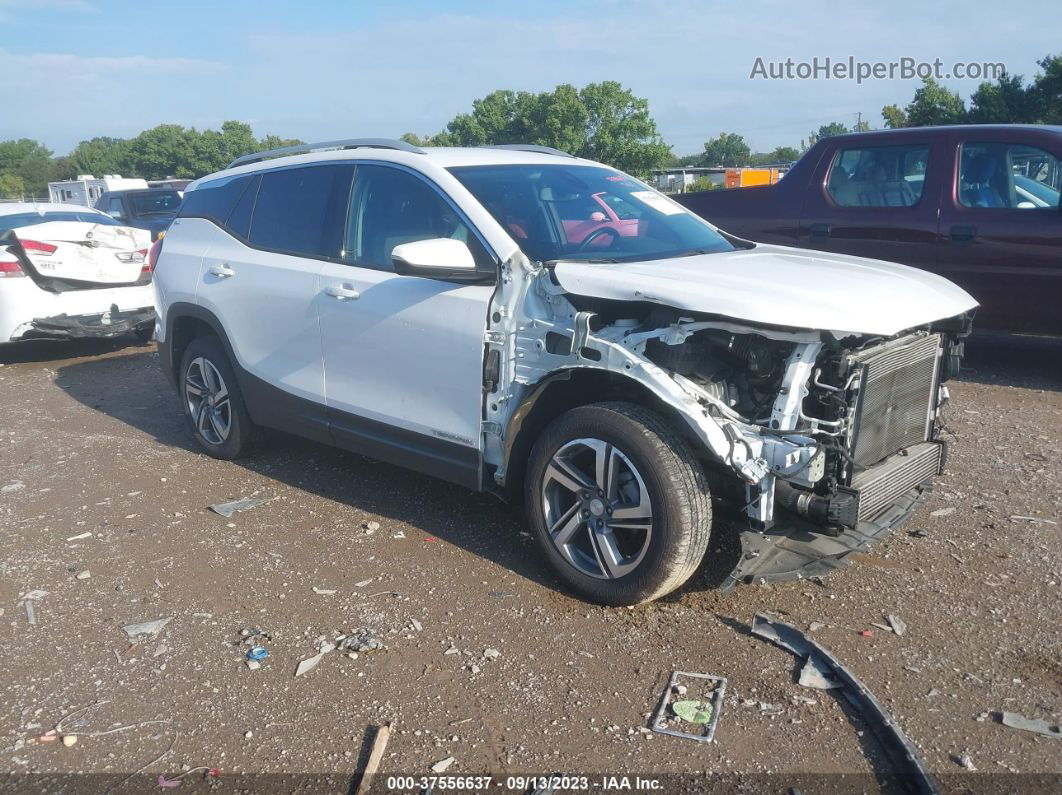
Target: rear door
x=876, y=200
x=403, y=354
x=1001, y=227
x=260, y=277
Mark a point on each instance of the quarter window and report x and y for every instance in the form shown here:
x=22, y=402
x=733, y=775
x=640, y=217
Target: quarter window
x=300, y=210
x=214, y=200
x=1008, y=176
x=879, y=176
x=391, y=207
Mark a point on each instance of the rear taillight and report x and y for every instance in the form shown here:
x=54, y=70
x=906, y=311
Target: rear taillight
x=38, y=247
x=9, y=269
x=152, y=256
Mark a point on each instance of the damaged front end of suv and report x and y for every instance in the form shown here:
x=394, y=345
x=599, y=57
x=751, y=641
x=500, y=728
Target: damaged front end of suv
x=817, y=420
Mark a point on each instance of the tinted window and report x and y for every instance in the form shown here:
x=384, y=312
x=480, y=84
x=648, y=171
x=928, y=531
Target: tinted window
x=1008, y=176
x=214, y=200
x=391, y=207
x=161, y=203
x=549, y=211
x=239, y=221
x=9, y=222
x=878, y=176
x=301, y=210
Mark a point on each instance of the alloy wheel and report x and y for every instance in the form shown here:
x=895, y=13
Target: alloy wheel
x=598, y=512
x=208, y=400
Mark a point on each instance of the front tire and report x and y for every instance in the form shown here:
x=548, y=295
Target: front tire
x=213, y=402
x=618, y=502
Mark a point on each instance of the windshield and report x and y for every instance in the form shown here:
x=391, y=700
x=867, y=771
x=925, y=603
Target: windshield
x=163, y=203
x=580, y=212
x=9, y=222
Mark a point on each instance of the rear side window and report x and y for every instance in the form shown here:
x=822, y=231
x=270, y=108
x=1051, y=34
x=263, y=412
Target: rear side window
x=214, y=200
x=878, y=176
x=302, y=210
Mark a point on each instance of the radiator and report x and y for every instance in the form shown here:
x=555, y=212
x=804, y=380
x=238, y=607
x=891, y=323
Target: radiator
x=897, y=474
x=897, y=396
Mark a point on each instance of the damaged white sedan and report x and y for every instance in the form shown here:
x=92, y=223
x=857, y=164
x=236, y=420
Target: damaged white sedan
x=520, y=321
x=68, y=272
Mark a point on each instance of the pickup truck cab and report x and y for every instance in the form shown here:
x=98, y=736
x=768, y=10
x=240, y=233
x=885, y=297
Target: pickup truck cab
x=978, y=204
x=152, y=209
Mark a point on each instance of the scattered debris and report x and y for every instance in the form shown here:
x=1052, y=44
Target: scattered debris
x=1035, y=519
x=491, y=654
x=1016, y=721
x=227, y=509
x=379, y=745
x=18, y=485
x=896, y=624
x=83, y=575
x=443, y=765
x=399, y=534
x=361, y=640
x=894, y=742
x=69, y=740
x=309, y=664
x=257, y=653
x=29, y=602
x=79, y=536
x=942, y=512
x=253, y=665
x=324, y=591
x=815, y=626
x=693, y=711
x=965, y=761
x=417, y=626
x=920, y=533
x=710, y=690
x=817, y=674
x=363, y=583
x=151, y=628
x=370, y=527
x=866, y=633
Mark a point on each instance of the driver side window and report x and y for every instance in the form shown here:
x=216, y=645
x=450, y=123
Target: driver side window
x=390, y=207
x=1008, y=176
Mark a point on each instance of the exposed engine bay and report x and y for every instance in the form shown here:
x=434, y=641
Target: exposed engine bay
x=824, y=441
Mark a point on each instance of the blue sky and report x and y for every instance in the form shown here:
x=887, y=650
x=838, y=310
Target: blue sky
x=326, y=69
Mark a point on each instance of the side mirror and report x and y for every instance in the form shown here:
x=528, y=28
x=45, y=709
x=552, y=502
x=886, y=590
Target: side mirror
x=435, y=258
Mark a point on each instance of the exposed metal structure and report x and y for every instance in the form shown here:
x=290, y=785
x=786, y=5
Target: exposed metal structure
x=349, y=143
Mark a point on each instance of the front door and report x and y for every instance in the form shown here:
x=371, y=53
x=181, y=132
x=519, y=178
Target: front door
x=1001, y=228
x=404, y=355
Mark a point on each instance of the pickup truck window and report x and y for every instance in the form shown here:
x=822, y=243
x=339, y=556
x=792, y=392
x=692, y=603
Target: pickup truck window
x=1008, y=176
x=878, y=176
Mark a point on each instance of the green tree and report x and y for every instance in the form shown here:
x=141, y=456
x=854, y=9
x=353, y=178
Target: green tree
x=98, y=156
x=11, y=186
x=1004, y=102
x=31, y=161
x=894, y=117
x=1045, y=93
x=935, y=104
x=276, y=142
x=601, y=121
x=728, y=149
x=831, y=129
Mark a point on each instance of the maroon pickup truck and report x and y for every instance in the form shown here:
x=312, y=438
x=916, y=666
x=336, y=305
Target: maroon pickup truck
x=976, y=204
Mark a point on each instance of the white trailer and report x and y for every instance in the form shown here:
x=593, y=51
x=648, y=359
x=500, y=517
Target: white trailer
x=86, y=189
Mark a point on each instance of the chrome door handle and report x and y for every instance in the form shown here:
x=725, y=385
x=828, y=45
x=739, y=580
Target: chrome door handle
x=343, y=293
x=223, y=271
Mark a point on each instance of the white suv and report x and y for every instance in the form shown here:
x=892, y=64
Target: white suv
x=517, y=320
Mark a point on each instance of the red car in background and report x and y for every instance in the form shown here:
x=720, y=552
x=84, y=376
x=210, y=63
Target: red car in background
x=978, y=204
x=591, y=221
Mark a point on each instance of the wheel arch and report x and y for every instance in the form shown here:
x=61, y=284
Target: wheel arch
x=568, y=389
x=184, y=323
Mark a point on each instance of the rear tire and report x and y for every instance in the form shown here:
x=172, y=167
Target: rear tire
x=618, y=502
x=213, y=402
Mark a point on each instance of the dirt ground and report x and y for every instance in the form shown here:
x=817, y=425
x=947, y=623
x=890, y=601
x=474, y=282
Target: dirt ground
x=486, y=659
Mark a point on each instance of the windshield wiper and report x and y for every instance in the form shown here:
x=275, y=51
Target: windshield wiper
x=602, y=261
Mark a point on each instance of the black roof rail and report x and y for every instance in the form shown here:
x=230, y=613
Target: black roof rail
x=350, y=143
x=542, y=150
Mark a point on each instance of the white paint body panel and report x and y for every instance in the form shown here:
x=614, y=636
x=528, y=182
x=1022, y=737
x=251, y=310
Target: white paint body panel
x=268, y=309
x=780, y=286
x=22, y=301
x=407, y=351
x=86, y=252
